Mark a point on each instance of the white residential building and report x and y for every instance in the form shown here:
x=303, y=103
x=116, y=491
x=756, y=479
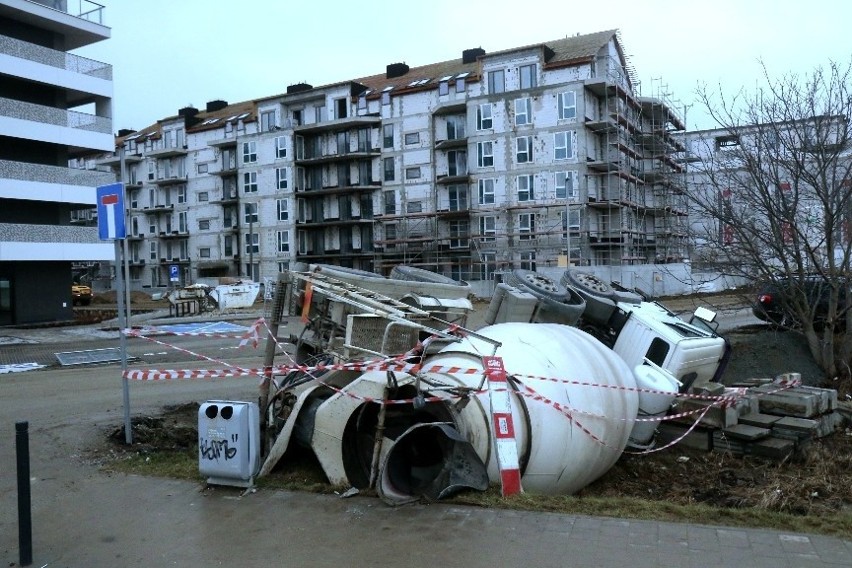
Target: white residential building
x=533, y=157
x=54, y=108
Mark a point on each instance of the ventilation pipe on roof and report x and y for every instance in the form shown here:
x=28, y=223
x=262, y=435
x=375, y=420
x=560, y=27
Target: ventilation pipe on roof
x=396, y=70
x=187, y=112
x=299, y=88
x=470, y=55
x=216, y=105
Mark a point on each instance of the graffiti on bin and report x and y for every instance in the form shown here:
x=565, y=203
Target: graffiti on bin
x=216, y=448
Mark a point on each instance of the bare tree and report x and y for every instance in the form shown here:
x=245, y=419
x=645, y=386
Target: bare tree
x=772, y=200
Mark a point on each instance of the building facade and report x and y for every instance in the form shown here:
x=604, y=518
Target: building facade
x=55, y=107
x=539, y=156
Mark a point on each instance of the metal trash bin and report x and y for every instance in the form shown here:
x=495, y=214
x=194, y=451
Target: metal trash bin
x=229, y=442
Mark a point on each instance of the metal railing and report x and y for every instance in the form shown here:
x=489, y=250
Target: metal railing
x=84, y=9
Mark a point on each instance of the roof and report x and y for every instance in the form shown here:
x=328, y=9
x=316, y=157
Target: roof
x=573, y=50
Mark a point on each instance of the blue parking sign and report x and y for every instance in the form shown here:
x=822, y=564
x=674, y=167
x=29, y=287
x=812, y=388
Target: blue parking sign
x=173, y=273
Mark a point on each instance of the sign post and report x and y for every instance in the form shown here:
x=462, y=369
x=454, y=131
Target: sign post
x=111, y=226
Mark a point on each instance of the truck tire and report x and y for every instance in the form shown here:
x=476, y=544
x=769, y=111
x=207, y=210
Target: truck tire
x=588, y=283
x=537, y=284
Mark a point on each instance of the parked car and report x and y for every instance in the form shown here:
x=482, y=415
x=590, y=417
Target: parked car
x=774, y=301
x=80, y=294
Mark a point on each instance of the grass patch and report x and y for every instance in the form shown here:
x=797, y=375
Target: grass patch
x=304, y=474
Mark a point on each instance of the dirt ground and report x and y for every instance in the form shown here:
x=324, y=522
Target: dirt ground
x=816, y=481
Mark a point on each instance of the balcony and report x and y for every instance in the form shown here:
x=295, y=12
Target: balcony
x=82, y=77
x=168, y=152
x=82, y=132
x=52, y=242
x=37, y=182
x=319, y=158
x=79, y=22
x=158, y=208
x=308, y=192
x=347, y=123
x=170, y=180
x=173, y=234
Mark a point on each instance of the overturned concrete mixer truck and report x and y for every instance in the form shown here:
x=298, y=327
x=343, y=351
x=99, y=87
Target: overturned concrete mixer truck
x=388, y=387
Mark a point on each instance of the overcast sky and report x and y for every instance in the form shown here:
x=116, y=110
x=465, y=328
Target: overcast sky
x=167, y=54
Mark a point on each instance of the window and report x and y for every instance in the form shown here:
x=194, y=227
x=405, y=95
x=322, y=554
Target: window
x=390, y=203
x=228, y=245
x=459, y=232
x=390, y=235
x=486, y=191
x=249, y=182
x=152, y=167
x=526, y=186
x=566, y=185
x=457, y=163
x=282, y=207
x=496, y=82
x=387, y=136
x=153, y=250
x=488, y=228
x=362, y=103
x=201, y=168
x=412, y=173
x=340, y=108
x=181, y=194
x=267, y=121
x=574, y=219
x=485, y=154
x=281, y=178
x=528, y=76
x=283, y=238
x=389, y=168
x=203, y=197
x=455, y=127
x=412, y=138
x=458, y=197
x=204, y=252
x=444, y=88
x=319, y=113
x=297, y=117
x=280, y=147
x=284, y=266
x=484, y=118
x=249, y=152
x=524, y=149
x=563, y=146
x=252, y=243
x=250, y=210
x=204, y=225
x=528, y=260
x=567, y=105
x=526, y=226
x=414, y=207
x=523, y=111
x=488, y=266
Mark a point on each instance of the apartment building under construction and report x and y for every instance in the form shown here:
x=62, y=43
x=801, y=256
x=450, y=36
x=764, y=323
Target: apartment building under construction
x=537, y=156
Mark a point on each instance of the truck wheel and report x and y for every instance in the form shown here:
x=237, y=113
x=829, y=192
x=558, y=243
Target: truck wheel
x=588, y=283
x=537, y=284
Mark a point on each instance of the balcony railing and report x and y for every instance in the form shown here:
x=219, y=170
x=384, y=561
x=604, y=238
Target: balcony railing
x=54, y=58
x=49, y=115
x=53, y=174
x=85, y=9
x=23, y=233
